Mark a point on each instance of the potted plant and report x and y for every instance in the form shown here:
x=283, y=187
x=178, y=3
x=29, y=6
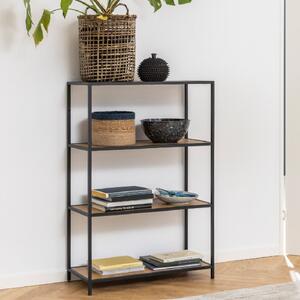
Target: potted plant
x=106, y=40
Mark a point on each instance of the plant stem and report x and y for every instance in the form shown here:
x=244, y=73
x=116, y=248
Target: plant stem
x=72, y=9
x=109, y=3
x=112, y=6
x=89, y=6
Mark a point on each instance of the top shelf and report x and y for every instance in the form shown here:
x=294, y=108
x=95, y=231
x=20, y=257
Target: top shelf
x=114, y=83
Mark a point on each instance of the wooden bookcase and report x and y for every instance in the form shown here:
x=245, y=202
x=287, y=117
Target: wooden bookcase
x=85, y=273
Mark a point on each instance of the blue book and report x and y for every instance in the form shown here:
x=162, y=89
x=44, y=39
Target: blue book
x=123, y=193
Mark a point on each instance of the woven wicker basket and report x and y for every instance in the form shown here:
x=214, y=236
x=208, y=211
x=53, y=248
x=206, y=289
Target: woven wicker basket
x=107, y=48
x=107, y=131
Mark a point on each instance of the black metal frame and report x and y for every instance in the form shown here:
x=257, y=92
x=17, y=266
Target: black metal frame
x=90, y=149
x=284, y=83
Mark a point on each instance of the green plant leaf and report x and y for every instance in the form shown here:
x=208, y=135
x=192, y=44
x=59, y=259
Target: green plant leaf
x=88, y=6
x=26, y=2
x=170, y=2
x=184, y=1
x=64, y=5
x=28, y=24
x=38, y=34
x=113, y=6
x=28, y=19
x=45, y=19
x=99, y=6
x=156, y=4
x=95, y=5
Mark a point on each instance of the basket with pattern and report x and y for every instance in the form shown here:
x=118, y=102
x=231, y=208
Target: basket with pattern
x=107, y=48
x=113, y=128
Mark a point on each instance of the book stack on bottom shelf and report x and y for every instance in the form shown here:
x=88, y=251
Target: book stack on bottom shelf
x=172, y=260
x=122, y=198
x=117, y=265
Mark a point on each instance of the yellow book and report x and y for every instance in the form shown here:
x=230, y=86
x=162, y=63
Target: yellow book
x=117, y=262
x=99, y=194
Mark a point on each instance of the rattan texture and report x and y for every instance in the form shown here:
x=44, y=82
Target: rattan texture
x=107, y=48
x=113, y=132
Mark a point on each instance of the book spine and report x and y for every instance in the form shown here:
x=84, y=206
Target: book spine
x=127, y=207
x=121, y=208
x=122, y=203
x=175, y=259
x=171, y=260
x=139, y=269
x=173, y=264
x=119, y=267
x=154, y=268
x=127, y=198
x=119, y=271
x=99, y=194
x=151, y=267
x=129, y=193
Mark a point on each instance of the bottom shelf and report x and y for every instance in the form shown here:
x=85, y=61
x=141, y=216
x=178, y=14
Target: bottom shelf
x=82, y=273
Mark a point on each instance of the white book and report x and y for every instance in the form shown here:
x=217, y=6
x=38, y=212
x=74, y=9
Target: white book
x=176, y=256
x=120, y=271
x=122, y=203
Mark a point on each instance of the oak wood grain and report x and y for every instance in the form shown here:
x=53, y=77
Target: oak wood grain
x=157, y=206
x=140, y=144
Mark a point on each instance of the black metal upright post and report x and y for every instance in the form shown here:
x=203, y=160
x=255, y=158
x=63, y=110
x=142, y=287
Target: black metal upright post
x=284, y=83
x=68, y=182
x=186, y=168
x=212, y=182
x=89, y=192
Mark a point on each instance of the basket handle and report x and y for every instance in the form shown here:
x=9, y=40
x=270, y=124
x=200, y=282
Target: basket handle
x=127, y=9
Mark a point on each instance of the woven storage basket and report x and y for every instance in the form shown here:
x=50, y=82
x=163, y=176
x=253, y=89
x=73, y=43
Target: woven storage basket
x=113, y=128
x=107, y=48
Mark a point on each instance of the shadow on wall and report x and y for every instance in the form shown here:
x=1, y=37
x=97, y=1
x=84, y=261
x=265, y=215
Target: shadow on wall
x=72, y=46
x=54, y=47
x=133, y=223
x=8, y=28
x=126, y=160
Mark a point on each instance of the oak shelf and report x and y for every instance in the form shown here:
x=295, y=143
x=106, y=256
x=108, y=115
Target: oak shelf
x=143, y=144
x=82, y=273
x=157, y=206
x=130, y=83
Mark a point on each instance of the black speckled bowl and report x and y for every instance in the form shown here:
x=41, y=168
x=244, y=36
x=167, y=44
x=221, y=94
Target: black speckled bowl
x=165, y=130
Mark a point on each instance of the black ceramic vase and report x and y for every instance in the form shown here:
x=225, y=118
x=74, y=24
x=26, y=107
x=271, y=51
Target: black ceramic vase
x=153, y=69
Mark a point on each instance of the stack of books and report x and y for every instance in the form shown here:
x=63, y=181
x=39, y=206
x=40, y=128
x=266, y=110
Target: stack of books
x=122, y=198
x=172, y=260
x=117, y=265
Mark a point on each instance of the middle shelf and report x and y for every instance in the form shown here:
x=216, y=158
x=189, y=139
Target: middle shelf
x=157, y=206
x=143, y=144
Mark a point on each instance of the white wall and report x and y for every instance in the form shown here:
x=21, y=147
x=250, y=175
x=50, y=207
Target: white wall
x=237, y=43
x=293, y=128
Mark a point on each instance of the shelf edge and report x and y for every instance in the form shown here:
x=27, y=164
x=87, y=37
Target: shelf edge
x=141, y=211
x=141, y=275
x=132, y=147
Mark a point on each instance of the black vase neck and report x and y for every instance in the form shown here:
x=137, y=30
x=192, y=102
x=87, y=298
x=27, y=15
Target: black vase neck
x=153, y=55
